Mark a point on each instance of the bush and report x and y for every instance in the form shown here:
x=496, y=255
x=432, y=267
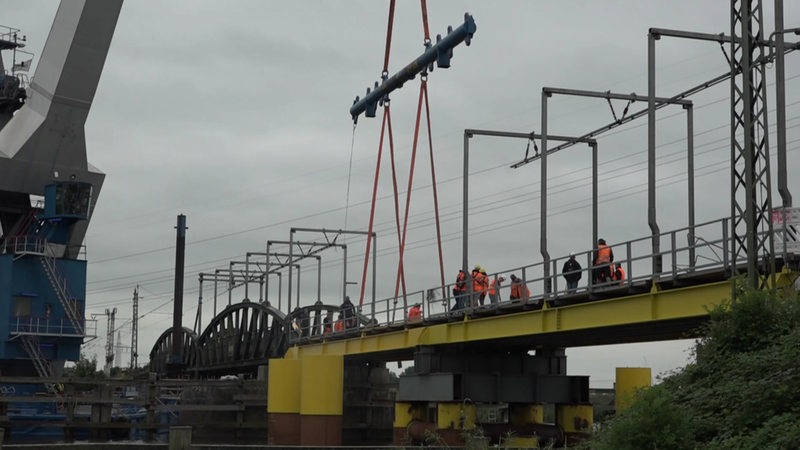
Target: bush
x=741, y=392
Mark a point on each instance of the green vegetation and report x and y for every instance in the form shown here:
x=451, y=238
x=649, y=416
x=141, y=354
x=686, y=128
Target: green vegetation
x=741, y=392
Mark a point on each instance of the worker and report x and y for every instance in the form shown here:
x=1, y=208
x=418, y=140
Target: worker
x=572, y=273
x=494, y=286
x=338, y=326
x=519, y=291
x=326, y=325
x=618, y=273
x=480, y=282
x=349, y=311
x=603, y=257
x=460, y=290
x=415, y=313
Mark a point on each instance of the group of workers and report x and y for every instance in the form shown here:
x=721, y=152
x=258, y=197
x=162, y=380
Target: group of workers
x=603, y=268
x=482, y=286
x=603, y=271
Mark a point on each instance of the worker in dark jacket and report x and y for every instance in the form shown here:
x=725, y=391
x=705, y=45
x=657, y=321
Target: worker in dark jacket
x=349, y=313
x=572, y=273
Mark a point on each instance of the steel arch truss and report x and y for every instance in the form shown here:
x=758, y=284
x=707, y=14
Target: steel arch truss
x=161, y=354
x=243, y=335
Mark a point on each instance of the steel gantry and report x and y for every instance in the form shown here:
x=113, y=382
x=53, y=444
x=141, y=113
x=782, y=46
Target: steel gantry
x=331, y=242
x=548, y=92
x=469, y=133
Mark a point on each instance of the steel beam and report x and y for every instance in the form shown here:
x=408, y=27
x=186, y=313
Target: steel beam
x=653, y=309
x=441, y=52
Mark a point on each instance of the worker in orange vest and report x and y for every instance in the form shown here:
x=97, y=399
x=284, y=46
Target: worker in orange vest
x=603, y=257
x=618, y=274
x=480, y=283
x=338, y=326
x=415, y=313
x=519, y=291
x=494, y=285
x=460, y=290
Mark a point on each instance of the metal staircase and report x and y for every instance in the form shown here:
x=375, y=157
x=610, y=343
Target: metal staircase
x=42, y=365
x=60, y=286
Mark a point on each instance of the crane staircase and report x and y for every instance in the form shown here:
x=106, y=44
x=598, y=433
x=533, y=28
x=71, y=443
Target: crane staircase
x=59, y=283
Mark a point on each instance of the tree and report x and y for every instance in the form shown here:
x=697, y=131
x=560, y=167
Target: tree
x=86, y=368
x=741, y=392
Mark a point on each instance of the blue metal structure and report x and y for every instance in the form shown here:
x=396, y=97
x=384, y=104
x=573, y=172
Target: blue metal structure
x=48, y=190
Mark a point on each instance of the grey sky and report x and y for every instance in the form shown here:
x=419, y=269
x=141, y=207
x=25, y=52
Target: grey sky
x=236, y=114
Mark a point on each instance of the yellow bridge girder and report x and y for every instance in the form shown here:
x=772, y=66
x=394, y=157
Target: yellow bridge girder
x=686, y=303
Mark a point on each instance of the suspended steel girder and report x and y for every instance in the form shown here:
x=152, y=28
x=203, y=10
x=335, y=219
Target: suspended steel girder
x=441, y=52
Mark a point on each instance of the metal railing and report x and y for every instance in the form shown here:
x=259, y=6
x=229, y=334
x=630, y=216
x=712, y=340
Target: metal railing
x=49, y=326
x=700, y=250
x=25, y=245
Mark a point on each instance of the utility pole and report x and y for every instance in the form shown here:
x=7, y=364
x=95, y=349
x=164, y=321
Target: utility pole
x=135, y=330
x=176, y=359
x=111, y=314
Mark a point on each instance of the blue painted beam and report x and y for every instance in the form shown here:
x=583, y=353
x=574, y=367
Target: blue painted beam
x=441, y=52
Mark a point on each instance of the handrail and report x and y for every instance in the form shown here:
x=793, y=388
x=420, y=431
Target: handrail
x=708, y=242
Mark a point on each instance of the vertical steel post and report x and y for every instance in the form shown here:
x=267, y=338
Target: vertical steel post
x=780, y=118
x=280, y=289
x=199, y=321
x=177, y=311
x=291, y=258
x=465, y=209
x=543, y=198
x=231, y=283
x=319, y=278
x=594, y=193
x=651, y=153
x=266, y=280
x=690, y=178
x=374, y=267
x=216, y=272
x=344, y=272
x=247, y=276
x=298, y=285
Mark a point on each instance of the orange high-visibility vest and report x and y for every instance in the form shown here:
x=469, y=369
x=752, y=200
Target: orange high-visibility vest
x=517, y=290
x=479, y=281
x=603, y=254
x=619, y=273
x=492, y=287
x=415, y=313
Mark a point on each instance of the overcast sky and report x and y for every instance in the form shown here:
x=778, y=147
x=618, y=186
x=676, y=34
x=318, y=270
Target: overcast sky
x=236, y=114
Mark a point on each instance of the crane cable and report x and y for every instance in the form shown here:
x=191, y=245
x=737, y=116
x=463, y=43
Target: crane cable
x=386, y=121
x=423, y=95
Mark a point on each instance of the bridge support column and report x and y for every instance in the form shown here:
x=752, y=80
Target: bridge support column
x=455, y=420
x=522, y=414
x=575, y=420
x=283, y=402
x=628, y=381
x=406, y=413
x=321, y=392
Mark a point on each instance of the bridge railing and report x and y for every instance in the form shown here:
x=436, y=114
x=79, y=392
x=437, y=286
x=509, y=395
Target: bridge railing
x=702, y=249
